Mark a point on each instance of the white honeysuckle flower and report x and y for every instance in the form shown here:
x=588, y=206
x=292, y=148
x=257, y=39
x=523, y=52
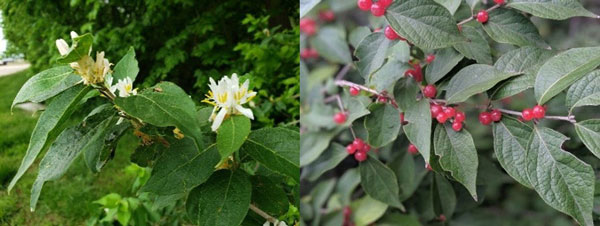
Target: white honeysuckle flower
x=63, y=47
x=228, y=97
x=125, y=87
x=74, y=34
x=92, y=72
x=277, y=223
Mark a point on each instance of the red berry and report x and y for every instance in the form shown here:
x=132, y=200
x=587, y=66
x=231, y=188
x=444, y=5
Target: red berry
x=360, y=156
x=390, y=33
x=442, y=218
x=539, y=112
x=409, y=73
x=460, y=116
x=381, y=99
x=308, y=26
x=314, y=53
x=305, y=53
x=527, y=114
x=457, y=126
x=366, y=147
x=418, y=75
x=377, y=9
x=499, y=2
x=412, y=149
x=385, y=3
x=435, y=110
x=482, y=16
x=359, y=143
x=347, y=211
x=364, y=5
x=441, y=117
x=340, y=118
x=428, y=167
x=496, y=115
x=485, y=118
x=327, y=15
x=450, y=112
x=351, y=149
x=354, y=91
x=429, y=91
x=430, y=58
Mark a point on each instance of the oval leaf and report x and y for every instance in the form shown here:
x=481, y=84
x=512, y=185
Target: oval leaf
x=476, y=46
x=46, y=84
x=418, y=129
x=383, y=125
x=585, y=92
x=380, y=182
x=445, y=60
x=276, y=149
x=552, y=9
x=589, y=133
x=561, y=179
x=424, y=23
x=222, y=201
x=472, y=80
x=510, y=145
x=511, y=27
x=371, y=53
x=457, y=155
x=564, y=69
x=367, y=210
x=232, y=134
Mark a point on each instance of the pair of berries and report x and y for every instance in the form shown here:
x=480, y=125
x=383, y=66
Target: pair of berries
x=347, y=212
x=537, y=112
x=309, y=53
x=443, y=113
x=416, y=72
x=359, y=149
x=340, y=118
x=377, y=9
x=391, y=34
x=327, y=15
x=308, y=26
x=486, y=118
x=412, y=149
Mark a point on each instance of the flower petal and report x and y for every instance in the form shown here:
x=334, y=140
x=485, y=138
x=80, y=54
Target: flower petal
x=245, y=111
x=219, y=119
x=63, y=47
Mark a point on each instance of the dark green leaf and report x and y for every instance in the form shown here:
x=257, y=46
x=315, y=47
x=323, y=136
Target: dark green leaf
x=561, y=179
x=81, y=46
x=472, y=80
x=276, y=149
x=181, y=167
x=511, y=27
x=367, y=210
x=46, y=84
x=385, y=78
x=564, y=69
x=232, y=134
x=418, y=129
x=102, y=137
x=444, y=195
x=589, y=133
x=585, y=92
x=222, y=201
x=457, y=155
x=510, y=146
x=126, y=67
x=358, y=34
x=331, y=45
x=445, y=60
x=423, y=22
x=380, y=182
x=476, y=46
x=268, y=196
x=552, y=9
x=383, y=125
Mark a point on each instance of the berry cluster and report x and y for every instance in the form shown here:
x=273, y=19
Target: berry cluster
x=347, y=220
x=391, y=34
x=537, y=112
x=308, y=53
x=412, y=149
x=486, y=118
x=359, y=149
x=308, y=26
x=443, y=113
x=340, y=117
x=377, y=9
x=416, y=72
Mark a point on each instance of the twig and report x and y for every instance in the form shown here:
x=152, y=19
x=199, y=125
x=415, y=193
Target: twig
x=473, y=17
x=340, y=75
x=352, y=84
x=263, y=214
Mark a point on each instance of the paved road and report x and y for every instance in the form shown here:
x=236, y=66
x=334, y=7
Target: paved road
x=12, y=68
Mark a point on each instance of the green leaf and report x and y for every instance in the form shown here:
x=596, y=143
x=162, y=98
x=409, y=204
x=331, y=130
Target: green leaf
x=418, y=129
x=102, y=137
x=476, y=46
x=561, y=179
x=268, y=196
x=457, y=155
x=126, y=67
x=145, y=156
x=276, y=149
x=355, y=108
x=312, y=144
x=392, y=219
x=331, y=45
x=165, y=104
x=445, y=60
x=380, y=182
x=589, y=133
x=408, y=173
x=347, y=184
x=383, y=125
x=181, y=167
x=511, y=27
x=330, y=159
x=525, y=60
x=358, y=34
x=232, y=134
x=56, y=113
x=405, y=93
x=81, y=47
x=387, y=76
x=320, y=193
x=564, y=69
x=424, y=23
x=444, y=195
x=451, y=5
x=46, y=84
x=585, y=92
x=371, y=53
x=222, y=201
x=472, y=3
x=472, y=80
x=367, y=210
x=510, y=146
x=306, y=6
x=552, y=9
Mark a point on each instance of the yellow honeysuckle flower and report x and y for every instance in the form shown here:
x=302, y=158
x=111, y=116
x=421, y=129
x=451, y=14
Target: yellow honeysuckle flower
x=227, y=97
x=91, y=71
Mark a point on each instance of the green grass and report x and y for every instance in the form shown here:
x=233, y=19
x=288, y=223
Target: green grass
x=67, y=201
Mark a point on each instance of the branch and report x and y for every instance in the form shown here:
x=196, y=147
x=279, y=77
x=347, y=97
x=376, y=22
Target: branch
x=263, y=214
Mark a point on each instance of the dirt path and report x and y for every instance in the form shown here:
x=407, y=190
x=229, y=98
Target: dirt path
x=12, y=68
